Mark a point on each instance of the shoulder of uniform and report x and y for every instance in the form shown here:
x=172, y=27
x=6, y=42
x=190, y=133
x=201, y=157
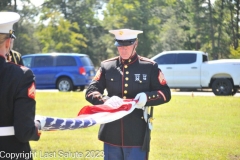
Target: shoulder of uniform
x=24, y=68
x=111, y=59
x=146, y=60
x=18, y=67
x=13, y=63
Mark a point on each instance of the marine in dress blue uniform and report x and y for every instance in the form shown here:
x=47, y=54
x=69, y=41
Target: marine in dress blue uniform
x=17, y=99
x=129, y=76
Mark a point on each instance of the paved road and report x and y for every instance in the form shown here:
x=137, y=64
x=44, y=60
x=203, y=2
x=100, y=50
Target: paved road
x=183, y=93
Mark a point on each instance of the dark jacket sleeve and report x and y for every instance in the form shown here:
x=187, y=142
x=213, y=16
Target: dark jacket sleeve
x=160, y=92
x=98, y=84
x=24, y=109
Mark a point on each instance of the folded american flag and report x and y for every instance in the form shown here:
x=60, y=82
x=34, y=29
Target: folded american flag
x=113, y=109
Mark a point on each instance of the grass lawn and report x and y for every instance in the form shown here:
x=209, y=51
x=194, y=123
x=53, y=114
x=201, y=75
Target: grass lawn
x=192, y=128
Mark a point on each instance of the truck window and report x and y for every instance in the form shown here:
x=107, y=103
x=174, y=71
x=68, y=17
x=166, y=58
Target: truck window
x=205, y=58
x=65, y=61
x=43, y=61
x=166, y=59
x=186, y=58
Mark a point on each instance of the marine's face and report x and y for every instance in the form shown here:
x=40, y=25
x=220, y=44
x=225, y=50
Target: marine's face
x=5, y=45
x=125, y=52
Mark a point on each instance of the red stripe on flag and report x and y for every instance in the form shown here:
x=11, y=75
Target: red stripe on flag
x=105, y=108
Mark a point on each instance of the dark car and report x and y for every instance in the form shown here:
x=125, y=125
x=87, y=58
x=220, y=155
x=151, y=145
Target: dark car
x=62, y=71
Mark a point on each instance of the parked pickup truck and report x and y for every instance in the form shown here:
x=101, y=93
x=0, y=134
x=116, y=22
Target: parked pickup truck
x=192, y=70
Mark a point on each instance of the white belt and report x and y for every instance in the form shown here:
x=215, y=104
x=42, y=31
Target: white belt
x=7, y=131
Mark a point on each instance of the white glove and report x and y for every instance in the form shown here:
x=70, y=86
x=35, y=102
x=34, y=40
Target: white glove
x=141, y=100
x=40, y=122
x=114, y=102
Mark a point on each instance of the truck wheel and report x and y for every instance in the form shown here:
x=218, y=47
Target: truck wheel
x=64, y=84
x=222, y=87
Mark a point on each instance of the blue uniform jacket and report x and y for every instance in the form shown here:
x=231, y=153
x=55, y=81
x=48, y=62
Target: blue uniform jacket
x=127, y=78
x=17, y=108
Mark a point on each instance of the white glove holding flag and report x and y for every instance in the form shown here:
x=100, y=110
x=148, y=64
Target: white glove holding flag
x=114, y=102
x=41, y=121
x=141, y=100
x=38, y=124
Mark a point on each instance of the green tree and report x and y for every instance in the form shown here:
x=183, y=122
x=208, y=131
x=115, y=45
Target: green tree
x=74, y=26
x=174, y=27
x=60, y=35
x=134, y=14
x=84, y=14
x=6, y=5
x=24, y=29
x=234, y=9
x=235, y=53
